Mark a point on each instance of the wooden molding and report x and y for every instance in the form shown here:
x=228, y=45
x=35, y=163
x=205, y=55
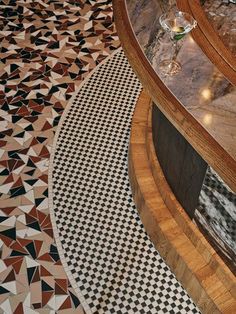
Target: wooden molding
x=209, y=282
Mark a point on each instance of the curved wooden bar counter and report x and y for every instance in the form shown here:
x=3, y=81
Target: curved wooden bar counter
x=188, y=117
x=195, y=109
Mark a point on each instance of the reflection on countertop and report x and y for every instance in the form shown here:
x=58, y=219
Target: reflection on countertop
x=200, y=87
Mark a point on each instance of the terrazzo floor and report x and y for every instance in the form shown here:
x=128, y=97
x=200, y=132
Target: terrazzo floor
x=47, y=48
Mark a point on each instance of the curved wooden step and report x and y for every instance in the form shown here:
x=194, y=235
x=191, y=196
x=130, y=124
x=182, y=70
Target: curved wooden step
x=196, y=265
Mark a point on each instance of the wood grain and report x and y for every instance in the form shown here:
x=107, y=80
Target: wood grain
x=196, y=265
x=210, y=150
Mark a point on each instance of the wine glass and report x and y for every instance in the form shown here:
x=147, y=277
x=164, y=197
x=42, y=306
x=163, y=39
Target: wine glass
x=177, y=24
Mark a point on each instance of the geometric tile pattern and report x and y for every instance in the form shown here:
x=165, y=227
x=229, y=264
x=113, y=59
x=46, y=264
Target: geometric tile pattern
x=113, y=262
x=47, y=48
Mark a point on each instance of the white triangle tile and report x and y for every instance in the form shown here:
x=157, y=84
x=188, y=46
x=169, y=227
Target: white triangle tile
x=24, y=124
x=19, y=140
x=40, y=183
x=25, y=158
x=5, y=188
x=2, y=266
x=50, y=120
x=18, y=170
x=42, y=166
x=21, y=233
x=30, y=262
x=9, y=222
x=6, y=306
x=30, y=196
x=22, y=219
x=27, y=186
x=52, y=303
x=32, y=232
x=43, y=205
x=10, y=286
x=26, y=208
x=31, y=152
x=27, y=300
x=3, y=126
x=1, y=152
x=27, y=136
x=59, y=300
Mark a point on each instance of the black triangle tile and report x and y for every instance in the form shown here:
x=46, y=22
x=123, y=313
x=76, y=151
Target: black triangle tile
x=45, y=286
x=30, y=273
x=17, y=191
x=9, y=233
x=30, y=247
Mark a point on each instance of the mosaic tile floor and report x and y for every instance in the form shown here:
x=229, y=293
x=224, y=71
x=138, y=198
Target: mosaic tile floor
x=112, y=263
x=47, y=48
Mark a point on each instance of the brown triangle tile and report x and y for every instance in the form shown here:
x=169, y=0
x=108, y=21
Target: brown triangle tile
x=3, y=143
x=18, y=164
x=18, y=247
x=44, y=178
x=45, y=257
x=34, y=212
x=23, y=111
x=44, y=272
x=10, y=277
x=17, y=266
x=9, y=179
x=49, y=232
x=41, y=217
x=33, y=142
x=12, y=260
x=19, y=309
x=7, y=241
x=35, y=159
x=46, y=126
x=11, y=164
x=18, y=183
x=38, y=245
x=44, y=152
x=59, y=290
x=46, y=221
x=36, y=276
x=46, y=296
x=66, y=304
x=63, y=283
x=24, y=242
x=30, y=219
x=7, y=210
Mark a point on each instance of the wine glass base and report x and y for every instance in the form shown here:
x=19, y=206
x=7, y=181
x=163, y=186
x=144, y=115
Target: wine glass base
x=169, y=67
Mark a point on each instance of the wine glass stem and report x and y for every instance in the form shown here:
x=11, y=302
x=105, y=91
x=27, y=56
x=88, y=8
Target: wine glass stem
x=176, y=49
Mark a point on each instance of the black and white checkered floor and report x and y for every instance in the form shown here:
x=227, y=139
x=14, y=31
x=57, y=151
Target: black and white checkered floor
x=111, y=262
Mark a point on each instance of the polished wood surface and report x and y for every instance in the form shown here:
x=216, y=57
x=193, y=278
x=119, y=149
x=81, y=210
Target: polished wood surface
x=209, y=145
x=197, y=266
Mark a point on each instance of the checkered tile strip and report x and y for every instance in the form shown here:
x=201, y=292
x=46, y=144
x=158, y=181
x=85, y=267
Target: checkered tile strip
x=107, y=251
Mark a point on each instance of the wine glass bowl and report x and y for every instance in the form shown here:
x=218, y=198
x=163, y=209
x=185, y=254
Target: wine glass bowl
x=177, y=24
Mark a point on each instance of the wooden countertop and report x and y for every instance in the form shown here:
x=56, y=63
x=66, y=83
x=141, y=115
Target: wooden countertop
x=201, y=100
